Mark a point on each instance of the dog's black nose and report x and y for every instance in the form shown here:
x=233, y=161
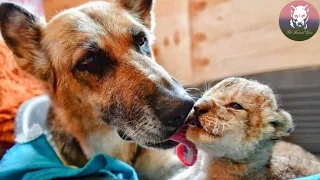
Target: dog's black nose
x=178, y=113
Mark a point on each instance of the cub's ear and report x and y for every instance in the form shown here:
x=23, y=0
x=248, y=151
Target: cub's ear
x=143, y=9
x=22, y=32
x=282, y=123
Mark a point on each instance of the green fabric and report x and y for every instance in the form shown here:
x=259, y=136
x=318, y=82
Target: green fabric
x=36, y=160
x=314, y=177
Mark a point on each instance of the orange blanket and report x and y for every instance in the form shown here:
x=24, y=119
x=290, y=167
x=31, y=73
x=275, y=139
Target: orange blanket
x=16, y=86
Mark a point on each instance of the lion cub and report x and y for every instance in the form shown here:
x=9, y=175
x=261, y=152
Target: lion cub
x=235, y=125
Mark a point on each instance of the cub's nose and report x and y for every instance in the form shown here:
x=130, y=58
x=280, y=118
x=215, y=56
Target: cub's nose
x=202, y=106
x=200, y=110
x=178, y=113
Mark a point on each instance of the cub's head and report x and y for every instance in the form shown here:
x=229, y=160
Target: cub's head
x=235, y=117
x=98, y=61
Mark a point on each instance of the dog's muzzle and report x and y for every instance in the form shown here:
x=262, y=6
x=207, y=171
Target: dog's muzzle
x=172, y=115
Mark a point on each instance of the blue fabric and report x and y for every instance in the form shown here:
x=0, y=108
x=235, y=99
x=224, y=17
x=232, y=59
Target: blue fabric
x=314, y=177
x=36, y=160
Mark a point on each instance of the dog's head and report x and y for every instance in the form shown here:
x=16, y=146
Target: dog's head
x=98, y=61
x=236, y=116
x=299, y=15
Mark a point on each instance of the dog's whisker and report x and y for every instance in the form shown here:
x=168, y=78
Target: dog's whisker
x=138, y=128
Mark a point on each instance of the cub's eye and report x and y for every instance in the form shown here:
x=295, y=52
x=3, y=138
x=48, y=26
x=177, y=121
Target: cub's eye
x=174, y=80
x=236, y=106
x=94, y=63
x=275, y=123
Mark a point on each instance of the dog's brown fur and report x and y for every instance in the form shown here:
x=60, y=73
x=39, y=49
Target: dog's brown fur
x=103, y=80
x=240, y=122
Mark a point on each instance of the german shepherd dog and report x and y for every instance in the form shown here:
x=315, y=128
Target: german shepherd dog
x=104, y=82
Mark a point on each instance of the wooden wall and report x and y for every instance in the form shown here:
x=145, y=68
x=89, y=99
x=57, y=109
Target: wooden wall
x=242, y=37
x=201, y=40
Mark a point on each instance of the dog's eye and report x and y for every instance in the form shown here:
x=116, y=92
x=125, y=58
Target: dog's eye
x=91, y=64
x=141, y=43
x=94, y=63
x=236, y=106
x=141, y=40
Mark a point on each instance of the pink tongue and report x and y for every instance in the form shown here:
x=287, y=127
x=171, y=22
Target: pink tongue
x=186, y=150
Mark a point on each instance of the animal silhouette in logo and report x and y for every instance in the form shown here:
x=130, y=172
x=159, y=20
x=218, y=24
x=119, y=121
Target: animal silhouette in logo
x=299, y=17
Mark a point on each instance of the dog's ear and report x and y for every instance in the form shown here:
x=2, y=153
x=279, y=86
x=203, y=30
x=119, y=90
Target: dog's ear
x=22, y=32
x=143, y=9
x=283, y=124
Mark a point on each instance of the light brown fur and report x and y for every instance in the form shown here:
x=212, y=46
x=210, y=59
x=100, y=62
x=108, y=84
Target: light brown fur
x=283, y=148
x=236, y=142
x=103, y=82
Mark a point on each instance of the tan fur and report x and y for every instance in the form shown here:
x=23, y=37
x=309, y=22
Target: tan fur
x=131, y=94
x=287, y=167
x=237, y=143
x=283, y=148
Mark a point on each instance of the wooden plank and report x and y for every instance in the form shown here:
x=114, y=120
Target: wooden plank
x=172, y=45
x=52, y=7
x=232, y=37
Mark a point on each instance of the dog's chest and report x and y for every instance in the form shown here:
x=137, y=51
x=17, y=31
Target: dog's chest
x=107, y=143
